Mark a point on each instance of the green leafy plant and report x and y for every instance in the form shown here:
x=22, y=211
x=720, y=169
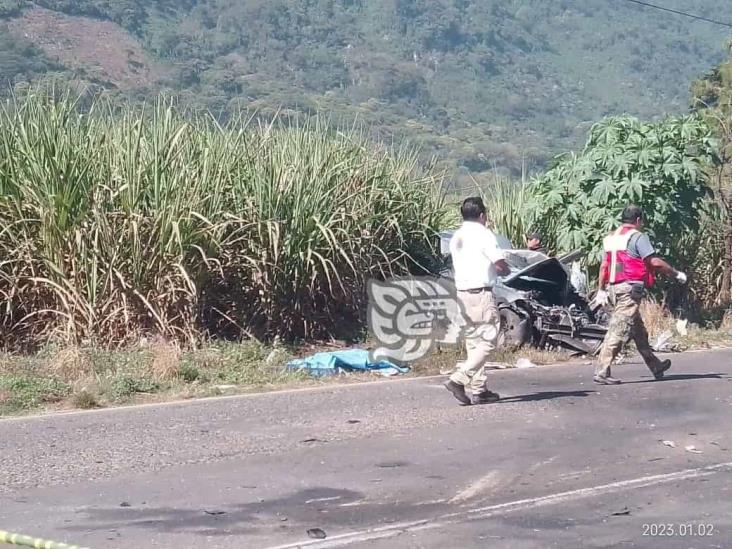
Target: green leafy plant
x=125, y=386
x=659, y=166
x=20, y=392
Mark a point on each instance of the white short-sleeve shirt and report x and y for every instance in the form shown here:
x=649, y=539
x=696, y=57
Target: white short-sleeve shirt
x=474, y=250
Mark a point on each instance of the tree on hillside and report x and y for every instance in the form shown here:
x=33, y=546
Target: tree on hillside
x=661, y=167
x=712, y=98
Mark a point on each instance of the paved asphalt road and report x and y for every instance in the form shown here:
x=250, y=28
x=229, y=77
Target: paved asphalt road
x=560, y=462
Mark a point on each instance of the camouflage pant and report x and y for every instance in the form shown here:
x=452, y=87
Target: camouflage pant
x=626, y=323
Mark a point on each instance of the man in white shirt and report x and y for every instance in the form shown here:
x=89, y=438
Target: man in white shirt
x=477, y=261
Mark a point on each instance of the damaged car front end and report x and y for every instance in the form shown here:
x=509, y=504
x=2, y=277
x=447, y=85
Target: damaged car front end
x=543, y=301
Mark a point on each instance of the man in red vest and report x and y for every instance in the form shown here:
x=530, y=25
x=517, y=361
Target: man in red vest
x=628, y=269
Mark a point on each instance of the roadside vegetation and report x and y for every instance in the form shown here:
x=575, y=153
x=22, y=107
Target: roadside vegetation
x=66, y=378
x=153, y=253
x=118, y=225
x=86, y=378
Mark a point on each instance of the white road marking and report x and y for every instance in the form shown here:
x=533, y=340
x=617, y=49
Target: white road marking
x=334, y=498
x=392, y=530
x=573, y=475
x=481, y=485
x=432, y=502
x=535, y=466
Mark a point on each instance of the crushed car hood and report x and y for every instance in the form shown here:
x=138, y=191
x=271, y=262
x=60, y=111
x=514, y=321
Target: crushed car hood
x=533, y=266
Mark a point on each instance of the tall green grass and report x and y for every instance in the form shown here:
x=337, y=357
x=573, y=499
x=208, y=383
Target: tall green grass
x=510, y=209
x=509, y=206
x=119, y=224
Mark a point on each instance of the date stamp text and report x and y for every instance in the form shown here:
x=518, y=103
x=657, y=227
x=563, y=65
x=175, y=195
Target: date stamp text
x=683, y=529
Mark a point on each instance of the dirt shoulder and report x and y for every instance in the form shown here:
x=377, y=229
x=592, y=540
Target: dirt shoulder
x=62, y=379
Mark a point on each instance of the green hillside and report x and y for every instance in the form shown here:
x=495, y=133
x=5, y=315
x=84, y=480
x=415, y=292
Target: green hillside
x=480, y=83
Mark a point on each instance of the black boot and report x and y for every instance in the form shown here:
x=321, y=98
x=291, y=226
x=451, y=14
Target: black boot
x=661, y=369
x=458, y=391
x=487, y=397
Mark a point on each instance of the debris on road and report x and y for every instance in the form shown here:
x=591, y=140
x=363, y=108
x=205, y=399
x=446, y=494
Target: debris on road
x=214, y=513
x=681, y=327
x=339, y=362
x=392, y=464
x=525, y=363
x=669, y=443
x=125, y=504
x=625, y=512
x=665, y=343
x=311, y=440
x=317, y=533
x=691, y=448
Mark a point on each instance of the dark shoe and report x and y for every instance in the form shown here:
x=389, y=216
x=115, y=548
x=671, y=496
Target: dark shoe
x=489, y=397
x=606, y=380
x=458, y=391
x=661, y=370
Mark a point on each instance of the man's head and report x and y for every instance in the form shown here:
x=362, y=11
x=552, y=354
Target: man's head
x=633, y=215
x=473, y=209
x=533, y=241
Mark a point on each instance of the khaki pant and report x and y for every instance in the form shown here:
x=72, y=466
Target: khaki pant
x=481, y=336
x=626, y=323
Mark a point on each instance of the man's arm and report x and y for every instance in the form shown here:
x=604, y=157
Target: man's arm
x=604, y=276
x=655, y=263
x=496, y=255
x=502, y=267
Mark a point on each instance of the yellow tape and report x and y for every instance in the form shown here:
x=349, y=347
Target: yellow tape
x=36, y=543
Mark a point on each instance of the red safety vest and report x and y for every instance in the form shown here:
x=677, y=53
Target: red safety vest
x=619, y=265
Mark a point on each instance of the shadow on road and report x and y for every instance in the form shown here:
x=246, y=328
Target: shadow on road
x=546, y=395
x=320, y=507
x=679, y=377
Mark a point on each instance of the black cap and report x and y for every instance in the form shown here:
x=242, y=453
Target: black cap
x=534, y=236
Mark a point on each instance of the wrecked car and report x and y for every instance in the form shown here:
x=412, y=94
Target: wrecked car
x=543, y=301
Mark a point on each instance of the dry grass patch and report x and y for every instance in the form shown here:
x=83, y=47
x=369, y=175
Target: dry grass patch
x=657, y=318
x=70, y=365
x=85, y=400
x=445, y=359
x=165, y=361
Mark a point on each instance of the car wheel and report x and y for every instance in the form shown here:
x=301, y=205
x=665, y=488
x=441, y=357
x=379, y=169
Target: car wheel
x=515, y=328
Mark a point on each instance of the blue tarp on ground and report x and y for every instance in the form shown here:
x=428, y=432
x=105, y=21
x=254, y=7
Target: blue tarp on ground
x=337, y=362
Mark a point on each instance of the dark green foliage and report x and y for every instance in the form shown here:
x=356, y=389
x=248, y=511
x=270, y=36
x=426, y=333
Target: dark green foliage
x=481, y=83
x=712, y=99
x=660, y=167
x=19, y=61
